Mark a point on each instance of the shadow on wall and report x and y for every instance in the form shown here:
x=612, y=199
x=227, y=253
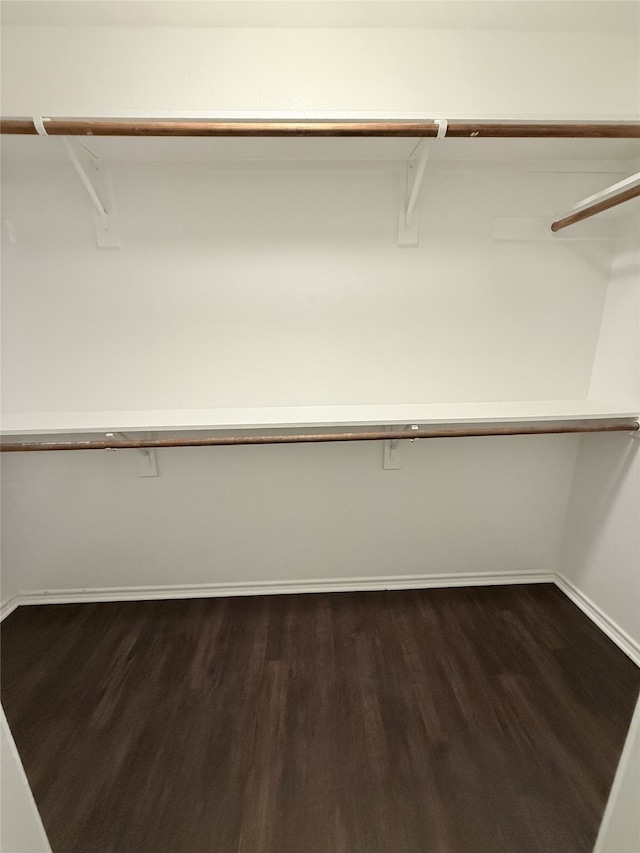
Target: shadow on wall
x=601, y=532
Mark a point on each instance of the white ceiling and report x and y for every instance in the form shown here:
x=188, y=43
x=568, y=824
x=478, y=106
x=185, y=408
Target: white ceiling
x=549, y=15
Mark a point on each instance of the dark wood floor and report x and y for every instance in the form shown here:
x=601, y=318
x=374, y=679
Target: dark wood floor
x=435, y=721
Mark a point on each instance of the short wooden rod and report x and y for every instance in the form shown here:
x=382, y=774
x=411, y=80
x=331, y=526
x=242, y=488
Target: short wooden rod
x=461, y=129
x=597, y=207
x=312, y=438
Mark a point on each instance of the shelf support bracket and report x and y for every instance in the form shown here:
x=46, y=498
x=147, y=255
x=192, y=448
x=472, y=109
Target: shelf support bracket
x=408, y=217
x=97, y=185
x=408, y=234
x=147, y=462
x=392, y=455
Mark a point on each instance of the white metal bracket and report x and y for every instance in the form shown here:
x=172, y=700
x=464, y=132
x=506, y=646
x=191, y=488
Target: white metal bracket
x=147, y=462
x=408, y=216
x=408, y=224
x=97, y=184
x=392, y=458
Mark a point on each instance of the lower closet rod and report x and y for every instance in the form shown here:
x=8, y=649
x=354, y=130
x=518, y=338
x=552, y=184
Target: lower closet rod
x=310, y=438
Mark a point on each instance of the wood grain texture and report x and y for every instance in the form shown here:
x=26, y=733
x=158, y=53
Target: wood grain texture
x=598, y=207
x=373, y=127
x=424, y=721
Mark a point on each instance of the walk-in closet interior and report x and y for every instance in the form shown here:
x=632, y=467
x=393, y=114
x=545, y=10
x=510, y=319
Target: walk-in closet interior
x=320, y=400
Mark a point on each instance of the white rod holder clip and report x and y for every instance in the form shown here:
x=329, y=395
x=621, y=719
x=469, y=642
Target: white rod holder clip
x=443, y=126
x=38, y=123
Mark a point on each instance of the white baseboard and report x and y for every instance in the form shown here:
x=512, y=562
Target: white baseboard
x=625, y=642
x=213, y=590
x=9, y=606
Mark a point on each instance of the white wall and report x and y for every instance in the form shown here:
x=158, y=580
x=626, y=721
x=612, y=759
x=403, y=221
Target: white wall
x=601, y=548
x=287, y=288
x=616, y=368
x=21, y=829
x=293, y=512
x=620, y=829
x=281, y=288
x=214, y=301
x=97, y=70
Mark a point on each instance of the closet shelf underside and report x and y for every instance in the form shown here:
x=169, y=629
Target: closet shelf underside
x=290, y=417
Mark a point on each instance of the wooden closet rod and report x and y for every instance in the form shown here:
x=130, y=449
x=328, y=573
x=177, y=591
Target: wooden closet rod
x=148, y=127
x=596, y=207
x=312, y=438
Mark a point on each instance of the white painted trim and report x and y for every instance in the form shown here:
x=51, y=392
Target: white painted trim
x=286, y=587
x=297, y=417
x=620, y=637
x=282, y=587
x=9, y=606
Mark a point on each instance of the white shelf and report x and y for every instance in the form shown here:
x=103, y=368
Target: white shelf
x=288, y=417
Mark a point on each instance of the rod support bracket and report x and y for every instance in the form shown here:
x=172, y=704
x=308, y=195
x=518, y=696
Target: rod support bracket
x=97, y=184
x=392, y=456
x=147, y=462
x=408, y=216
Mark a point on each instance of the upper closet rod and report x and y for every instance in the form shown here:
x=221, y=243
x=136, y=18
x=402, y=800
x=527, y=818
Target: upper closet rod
x=148, y=127
x=611, y=425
